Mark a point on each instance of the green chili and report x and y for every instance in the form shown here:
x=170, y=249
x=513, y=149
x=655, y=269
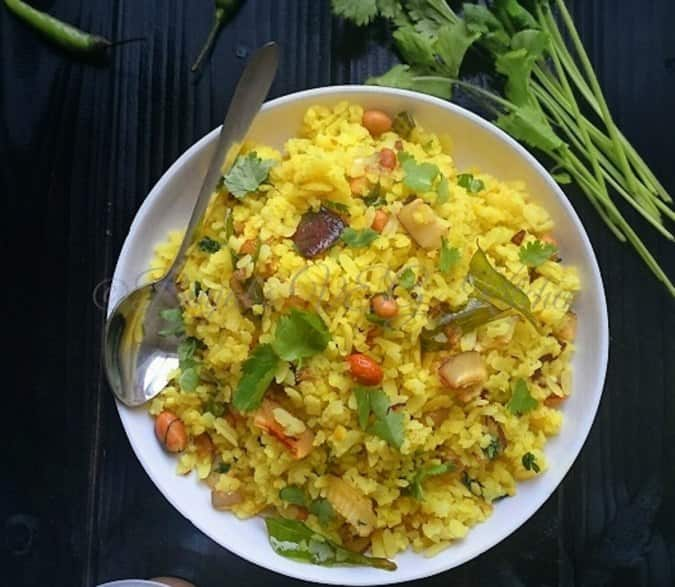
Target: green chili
x=224, y=9
x=58, y=32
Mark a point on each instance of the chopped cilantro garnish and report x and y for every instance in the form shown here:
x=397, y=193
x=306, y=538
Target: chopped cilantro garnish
x=443, y=191
x=521, y=401
x=208, y=245
x=337, y=206
x=535, y=253
x=300, y=334
x=407, y=279
x=493, y=449
x=293, y=494
x=449, y=256
x=430, y=471
x=530, y=462
x=470, y=183
x=359, y=238
x=174, y=320
x=387, y=424
x=257, y=373
x=247, y=173
x=419, y=177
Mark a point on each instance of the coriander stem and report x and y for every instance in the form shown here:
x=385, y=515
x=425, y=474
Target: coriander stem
x=597, y=91
x=607, y=170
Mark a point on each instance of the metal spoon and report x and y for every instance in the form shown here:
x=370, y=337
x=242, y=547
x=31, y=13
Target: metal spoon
x=138, y=359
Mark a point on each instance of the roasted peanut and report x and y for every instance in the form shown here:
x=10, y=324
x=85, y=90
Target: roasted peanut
x=384, y=306
x=376, y=122
x=170, y=431
x=364, y=369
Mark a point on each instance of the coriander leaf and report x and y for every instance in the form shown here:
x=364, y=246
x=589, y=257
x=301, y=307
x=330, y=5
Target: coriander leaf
x=403, y=124
x=452, y=42
x=323, y=510
x=186, y=351
x=300, y=334
x=513, y=15
x=536, y=253
x=402, y=76
x=493, y=449
x=189, y=379
x=479, y=18
x=388, y=424
x=415, y=47
x=418, y=176
x=428, y=471
x=529, y=125
x=247, y=173
x=521, y=401
x=493, y=285
x=449, y=256
x=223, y=468
x=443, y=191
x=337, y=206
x=473, y=485
x=375, y=197
x=174, y=319
x=389, y=428
x=470, y=183
x=530, y=462
x=208, y=245
x=407, y=279
x=358, y=238
x=360, y=12
x=295, y=540
x=527, y=47
x=293, y=494
x=216, y=408
x=257, y=374
x=362, y=405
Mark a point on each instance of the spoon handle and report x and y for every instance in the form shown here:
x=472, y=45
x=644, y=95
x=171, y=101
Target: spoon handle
x=248, y=97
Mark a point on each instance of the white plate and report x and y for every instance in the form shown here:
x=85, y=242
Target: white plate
x=476, y=143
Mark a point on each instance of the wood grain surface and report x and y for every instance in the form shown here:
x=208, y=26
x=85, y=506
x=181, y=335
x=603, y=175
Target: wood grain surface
x=80, y=147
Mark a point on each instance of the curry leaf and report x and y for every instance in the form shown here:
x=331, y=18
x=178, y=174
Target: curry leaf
x=323, y=510
x=494, y=286
x=295, y=540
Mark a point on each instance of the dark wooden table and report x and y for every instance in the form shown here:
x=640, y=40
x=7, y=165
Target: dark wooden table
x=80, y=147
